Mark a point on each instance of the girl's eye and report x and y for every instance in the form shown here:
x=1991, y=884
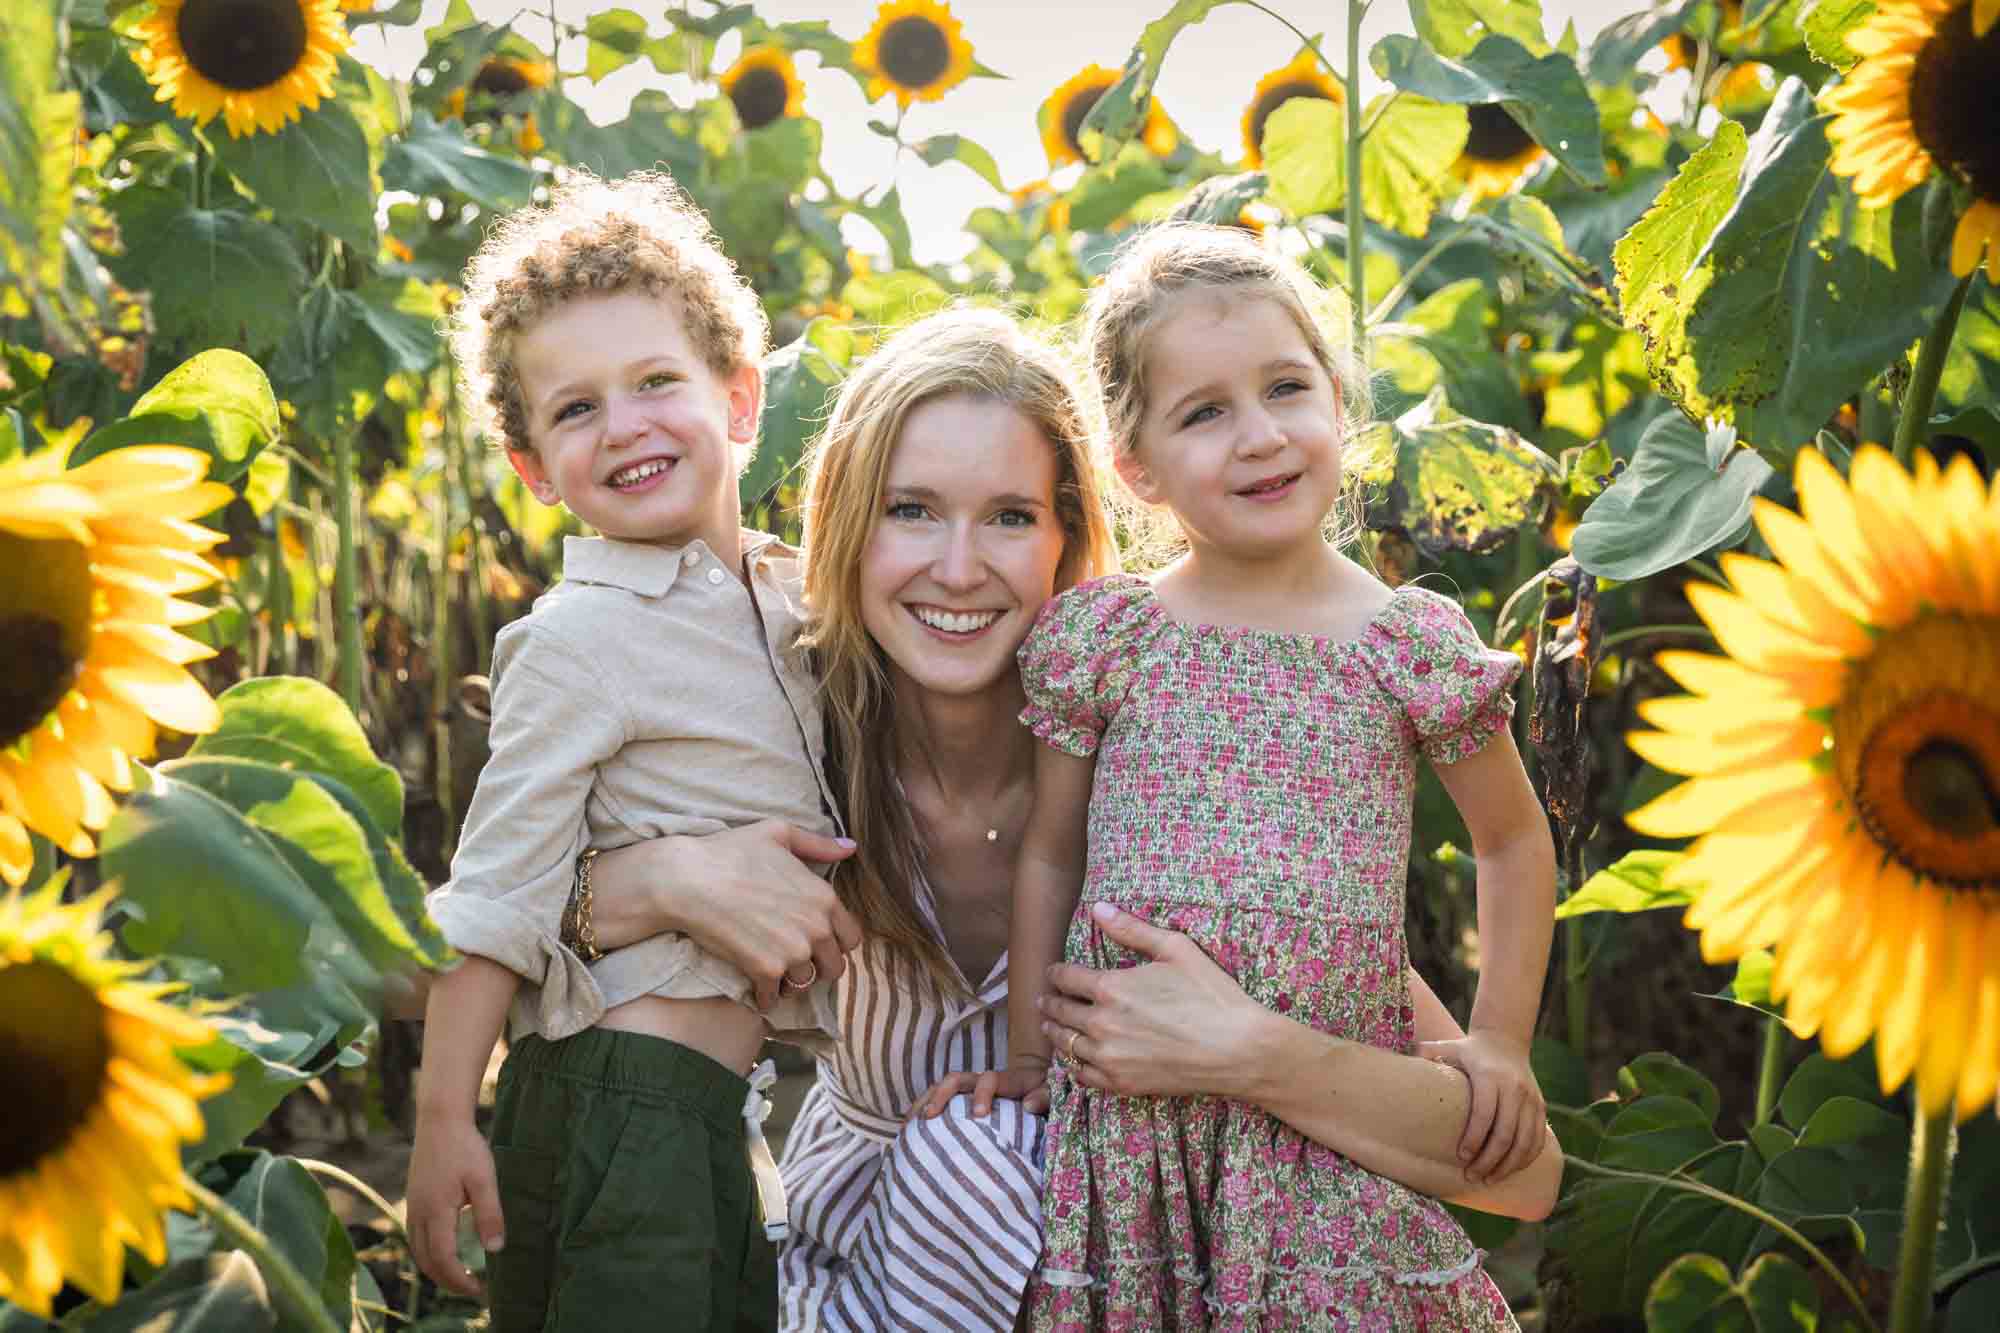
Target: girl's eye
x=1015, y=518
x=1287, y=387
x=907, y=510
x=1200, y=414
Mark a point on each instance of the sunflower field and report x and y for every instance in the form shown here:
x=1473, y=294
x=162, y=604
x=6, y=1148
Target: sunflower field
x=1693, y=398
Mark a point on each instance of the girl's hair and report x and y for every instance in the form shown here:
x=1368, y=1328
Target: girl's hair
x=988, y=356
x=1152, y=270
x=595, y=236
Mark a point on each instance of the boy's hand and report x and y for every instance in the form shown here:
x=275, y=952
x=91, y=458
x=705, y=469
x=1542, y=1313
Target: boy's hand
x=451, y=1166
x=1504, y=1128
x=1027, y=1084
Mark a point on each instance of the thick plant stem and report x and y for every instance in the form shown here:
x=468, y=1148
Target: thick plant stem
x=1912, y=425
x=1576, y=974
x=1768, y=1069
x=1923, y=1203
x=347, y=622
x=292, y=1288
x=441, y=668
x=1357, y=280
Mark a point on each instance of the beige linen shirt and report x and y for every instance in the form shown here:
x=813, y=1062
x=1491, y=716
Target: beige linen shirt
x=636, y=700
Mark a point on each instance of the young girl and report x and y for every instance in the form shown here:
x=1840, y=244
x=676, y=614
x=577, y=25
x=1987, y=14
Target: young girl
x=1229, y=749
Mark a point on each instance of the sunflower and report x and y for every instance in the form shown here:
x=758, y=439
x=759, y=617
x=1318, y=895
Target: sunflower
x=1922, y=96
x=98, y=1103
x=915, y=50
x=528, y=138
x=97, y=558
x=764, y=87
x=255, y=61
x=1303, y=77
x=1845, y=758
x=1498, y=152
x=1061, y=117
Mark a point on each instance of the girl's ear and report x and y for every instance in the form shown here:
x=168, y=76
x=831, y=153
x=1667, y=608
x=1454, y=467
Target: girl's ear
x=528, y=467
x=1137, y=477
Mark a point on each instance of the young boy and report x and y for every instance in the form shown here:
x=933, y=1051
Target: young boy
x=653, y=692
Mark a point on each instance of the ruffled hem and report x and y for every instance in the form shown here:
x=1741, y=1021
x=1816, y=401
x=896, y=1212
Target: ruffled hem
x=1058, y=734
x=1475, y=735
x=1186, y=1272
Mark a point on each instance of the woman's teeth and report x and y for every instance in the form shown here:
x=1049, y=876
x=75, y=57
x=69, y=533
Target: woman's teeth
x=955, y=622
x=638, y=472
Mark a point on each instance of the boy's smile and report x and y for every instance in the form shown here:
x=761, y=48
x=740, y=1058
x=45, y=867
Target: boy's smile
x=632, y=430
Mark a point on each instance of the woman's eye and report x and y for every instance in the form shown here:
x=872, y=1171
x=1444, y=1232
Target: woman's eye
x=1015, y=518
x=908, y=510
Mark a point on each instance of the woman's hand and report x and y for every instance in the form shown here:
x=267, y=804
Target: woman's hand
x=744, y=894
x=1176, y=1026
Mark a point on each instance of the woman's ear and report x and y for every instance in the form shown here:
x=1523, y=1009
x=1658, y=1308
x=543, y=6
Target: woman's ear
x=1137, y=477
x=528, y=467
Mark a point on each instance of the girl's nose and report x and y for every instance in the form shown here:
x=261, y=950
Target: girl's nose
x=1260, y=433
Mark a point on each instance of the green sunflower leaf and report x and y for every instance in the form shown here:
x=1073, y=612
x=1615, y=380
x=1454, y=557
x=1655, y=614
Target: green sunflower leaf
x=1616, y=50
x=799, y=380
x=219, y=1290
x=218, y=402
x=1454, y=27
x=299, y=724
x=1826, y=24
x=942, y=148
x=38, y=125
x=1403, y=162
x=616, y=38
x=217, y=277
x=1544, y=94
x=438, y=159
x=1450, y=482
x=280, y=1198
x=1636, y=882
x=1107, y=191
x=1971, y=377
x=1697, y=1294
x=1669, y=505
x=316, y=171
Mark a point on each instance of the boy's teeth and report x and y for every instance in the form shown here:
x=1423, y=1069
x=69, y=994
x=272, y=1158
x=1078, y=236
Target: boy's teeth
x=956, y=622
x=640, y=471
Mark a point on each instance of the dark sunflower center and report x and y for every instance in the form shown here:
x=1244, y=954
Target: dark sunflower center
x=1493, y=135
x=1948, y=786
x=497, y=78
x=53, y=1050
x=243, y=44
x=1074, y=113
x=914, y=51
x=45, y=605
x=1955, y=100
x=760, y=97
x=1276, y=98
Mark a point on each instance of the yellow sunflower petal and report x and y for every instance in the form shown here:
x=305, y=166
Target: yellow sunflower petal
x=1976, y=240
x=1753, y=638
x=1699, y=804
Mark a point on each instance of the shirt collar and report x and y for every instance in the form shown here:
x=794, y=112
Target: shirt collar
x=647, y=568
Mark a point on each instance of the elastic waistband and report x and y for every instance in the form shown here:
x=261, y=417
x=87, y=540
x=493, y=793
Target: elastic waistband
x=642, y=1065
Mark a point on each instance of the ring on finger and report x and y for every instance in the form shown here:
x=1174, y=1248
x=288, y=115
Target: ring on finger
x=810, y=977
x=1069, y=1048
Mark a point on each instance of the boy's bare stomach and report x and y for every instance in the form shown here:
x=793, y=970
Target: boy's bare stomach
x=726, y=1032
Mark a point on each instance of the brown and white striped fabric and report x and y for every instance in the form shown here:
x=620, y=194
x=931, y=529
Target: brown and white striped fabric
x=933, y=1225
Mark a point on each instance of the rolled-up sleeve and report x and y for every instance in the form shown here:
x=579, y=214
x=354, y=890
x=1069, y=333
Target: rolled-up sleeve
x=555, y=720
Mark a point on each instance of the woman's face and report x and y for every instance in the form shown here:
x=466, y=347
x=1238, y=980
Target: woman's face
x=965, y=544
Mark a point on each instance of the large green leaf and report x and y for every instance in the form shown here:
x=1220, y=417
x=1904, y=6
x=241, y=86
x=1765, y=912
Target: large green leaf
x=1450, y=327
x=301, y=725
x=785, y=153
x=636, y=143
x=439, y=159
x=403, y=315
x=1826, y=24
x=215, y=1291
x=315, y=170
x=114, y=91
x=1403, y=160
x=217, y=401
x=941, y=148
x=217, y=277
x=1633, y=883
x=1618, y=46
x=799, y=380
x=1971, y=377
x=1453, y=28
x=280, y=1198
x=1453, y=483
x=1106, y=192
x=1697, y=1294
x=1545, y=94
x=1670, y=505
x=1799, y=295
x=1654, y=257
x=616, y=38
x=259, y=1078
x=1523, y=228
x=38, y=125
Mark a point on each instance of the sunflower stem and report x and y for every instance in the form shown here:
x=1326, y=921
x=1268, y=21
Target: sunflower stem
x=1931, y=1148
x=293, y=1289
x=340, y=1175
x=1357, y=279
x=441, y=626
x=1770, y=1067
x=346, y=623
x=1913, y=425
x=1410, y=275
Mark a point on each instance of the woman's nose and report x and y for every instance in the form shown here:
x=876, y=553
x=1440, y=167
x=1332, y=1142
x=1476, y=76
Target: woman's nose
x=958, y=563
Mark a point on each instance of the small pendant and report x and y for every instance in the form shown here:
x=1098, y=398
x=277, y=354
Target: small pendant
x=993, y=835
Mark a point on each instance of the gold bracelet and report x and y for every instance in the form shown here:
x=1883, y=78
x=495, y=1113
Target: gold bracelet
x=577, y=931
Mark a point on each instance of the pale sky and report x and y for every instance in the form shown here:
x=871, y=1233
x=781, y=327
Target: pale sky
x=1209, y=74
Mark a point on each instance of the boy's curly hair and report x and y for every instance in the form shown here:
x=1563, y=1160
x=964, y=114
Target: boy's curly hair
x=599, y=236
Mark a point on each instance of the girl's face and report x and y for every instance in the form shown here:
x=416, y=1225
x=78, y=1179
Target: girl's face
x=1241, y=432
x=965, y=544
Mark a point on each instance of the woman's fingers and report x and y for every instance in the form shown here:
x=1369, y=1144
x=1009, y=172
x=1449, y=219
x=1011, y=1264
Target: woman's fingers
x=1081, y=983
x=1134, y=934
x=1066, y=1012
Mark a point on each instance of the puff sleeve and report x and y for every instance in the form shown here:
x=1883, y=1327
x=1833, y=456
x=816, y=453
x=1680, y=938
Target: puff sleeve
x=1077, y=661
x=1455, y=692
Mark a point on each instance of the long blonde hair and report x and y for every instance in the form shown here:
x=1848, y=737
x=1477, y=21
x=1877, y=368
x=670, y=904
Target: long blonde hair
x=985, y=355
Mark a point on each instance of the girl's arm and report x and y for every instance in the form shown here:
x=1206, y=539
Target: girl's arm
x=1179, y=1026
x=1516, y=888
x=1048, y=877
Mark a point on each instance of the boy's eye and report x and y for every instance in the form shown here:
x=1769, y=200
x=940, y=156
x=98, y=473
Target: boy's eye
x=657, y=379
x=570, y=409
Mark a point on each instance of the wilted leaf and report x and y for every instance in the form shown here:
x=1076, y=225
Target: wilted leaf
x=1453, y=484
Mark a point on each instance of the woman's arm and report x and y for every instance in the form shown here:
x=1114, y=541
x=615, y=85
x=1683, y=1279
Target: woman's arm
x=1181, y=1026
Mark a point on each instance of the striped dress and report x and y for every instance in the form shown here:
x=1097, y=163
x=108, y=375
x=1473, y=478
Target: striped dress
x=933, y=1225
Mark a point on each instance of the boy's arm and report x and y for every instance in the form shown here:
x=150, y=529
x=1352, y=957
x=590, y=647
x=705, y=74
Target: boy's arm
x=1048, y=876
x=1516, y=889
x=450, y=1166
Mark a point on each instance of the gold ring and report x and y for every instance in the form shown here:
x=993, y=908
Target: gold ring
x=1069, y=1049
x=811, y=977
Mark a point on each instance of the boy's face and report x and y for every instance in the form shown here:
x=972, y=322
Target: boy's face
x=630, y=427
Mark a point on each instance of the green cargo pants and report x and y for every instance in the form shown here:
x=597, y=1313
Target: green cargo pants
x=626, y=1192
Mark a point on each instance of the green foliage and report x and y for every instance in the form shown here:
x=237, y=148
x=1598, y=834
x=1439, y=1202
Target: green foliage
x=799, y=380
x=435, y=159
x=38, y=123
x=1670, y=505
x=1453, y=483
x=1403, y=160
x=1453, y=28
x=1545, y=94
x=316, y=172
x=218, y=402
x=217, y=276
x=1698, y=1294
x=1636, y=882
x=217, y=1290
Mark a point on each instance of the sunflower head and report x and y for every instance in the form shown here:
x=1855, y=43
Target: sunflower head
x=764, y=87
x=256, y=62
x=1922, y=97
x=1498, y=152
x=98, y=1103
x=89, y=660
x=1844, y=757
x=916, y=50
x=1062, y=115
x=1303, y=77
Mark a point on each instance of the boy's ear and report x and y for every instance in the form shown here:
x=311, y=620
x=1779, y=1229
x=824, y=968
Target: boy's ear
x=745, y=386
x=528, y=467
x=1137, y=477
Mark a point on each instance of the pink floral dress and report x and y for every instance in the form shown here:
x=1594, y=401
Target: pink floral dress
x=1253, y=790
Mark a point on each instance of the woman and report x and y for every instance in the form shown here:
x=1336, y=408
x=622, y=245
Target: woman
x=950, y=497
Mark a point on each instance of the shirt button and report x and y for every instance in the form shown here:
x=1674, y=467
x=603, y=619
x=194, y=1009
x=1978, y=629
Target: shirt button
x=715, y=576
x=691, y=559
